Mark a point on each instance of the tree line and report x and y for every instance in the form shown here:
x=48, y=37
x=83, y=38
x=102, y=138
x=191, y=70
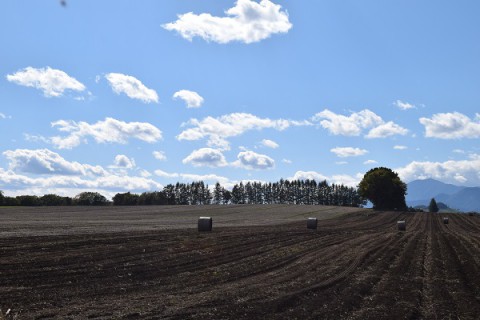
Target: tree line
x=82, y=199
x=307, y=192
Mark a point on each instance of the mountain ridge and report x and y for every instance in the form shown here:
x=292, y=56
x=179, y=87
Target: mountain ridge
x=420, y=192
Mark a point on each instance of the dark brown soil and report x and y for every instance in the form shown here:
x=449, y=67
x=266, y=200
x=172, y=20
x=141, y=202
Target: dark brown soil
x=355, y=266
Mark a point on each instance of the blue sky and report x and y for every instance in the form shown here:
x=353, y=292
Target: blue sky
x=116, y=96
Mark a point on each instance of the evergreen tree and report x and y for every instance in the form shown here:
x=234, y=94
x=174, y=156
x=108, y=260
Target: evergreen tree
x=433, y=207
x=218, y=194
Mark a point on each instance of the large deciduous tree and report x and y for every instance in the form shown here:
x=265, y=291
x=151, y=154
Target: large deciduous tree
x=90, y=199
x=384, y=189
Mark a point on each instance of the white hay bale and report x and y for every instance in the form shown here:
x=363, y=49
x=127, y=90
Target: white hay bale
x=445, y=220
x=312, y=223
x=402, y=225
x=205, y=224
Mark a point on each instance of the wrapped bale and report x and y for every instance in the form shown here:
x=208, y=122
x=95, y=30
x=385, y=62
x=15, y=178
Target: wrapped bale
x=445, y=220
x=402, y=225
x=312, y=223
x=205, y=224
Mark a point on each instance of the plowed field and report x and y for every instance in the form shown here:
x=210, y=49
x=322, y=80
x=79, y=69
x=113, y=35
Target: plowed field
x=259, y=262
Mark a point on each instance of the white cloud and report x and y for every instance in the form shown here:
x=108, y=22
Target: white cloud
x=403, y=105
x=145, y=173
x=4, y=116
x=191, y=98
x=132, y=87
x=248, y=21
x=308, y=175
x=44, y=161
x=206, y=157
x=52, y=82
x=164, y=174
x=212, y=178
x=287, y=161
x=72, y=185
x=270, y=144
x=159, y=155
x=458, y=151
x=386, y=130
x=354, y=124
x=462, y=171
x=252, y=160
x=451, y=126
x=400, y=147
x=217, y=130
x=346, y=180
x=341, y=163
x=108, y=131
x=370, y=162
x=344, y=152
x=122, y=161
x=347, y=126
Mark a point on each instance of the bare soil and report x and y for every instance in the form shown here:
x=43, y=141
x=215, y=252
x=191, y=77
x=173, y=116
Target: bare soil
x=259, y=262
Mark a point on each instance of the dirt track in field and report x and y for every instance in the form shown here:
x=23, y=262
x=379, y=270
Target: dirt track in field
x=355, y=266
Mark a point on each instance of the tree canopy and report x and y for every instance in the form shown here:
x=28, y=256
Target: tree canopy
x=384, y=189
x=90, y=199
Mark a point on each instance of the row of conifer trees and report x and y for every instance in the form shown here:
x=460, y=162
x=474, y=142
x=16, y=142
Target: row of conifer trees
x=307, y=192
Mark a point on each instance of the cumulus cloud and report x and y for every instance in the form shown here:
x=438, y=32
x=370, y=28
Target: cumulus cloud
x=370, y=162
x=451, y=126
x=308, y=175
x=44, y=161
x=344, y=152
x=164, y=174
x=52, y=82
x=211, y=178
x=270, y=144
x=191, y=98
x=72, y=185
x=108, y=131
x=206, y=157
x=132, y=87
x=248, y=21
x=400, y=147
x=347, y=125
x=344, y=179
x=122, y=161
x=354, y=124
x=287, y=161
x=159, y=155
x=403, y=105
x=386, y=130
x=217, y=130
x=462, y=171
x=253, y=161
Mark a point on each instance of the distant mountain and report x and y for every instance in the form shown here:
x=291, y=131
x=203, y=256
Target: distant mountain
x=420, y=192
x=468, y=199
x=428, y=189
